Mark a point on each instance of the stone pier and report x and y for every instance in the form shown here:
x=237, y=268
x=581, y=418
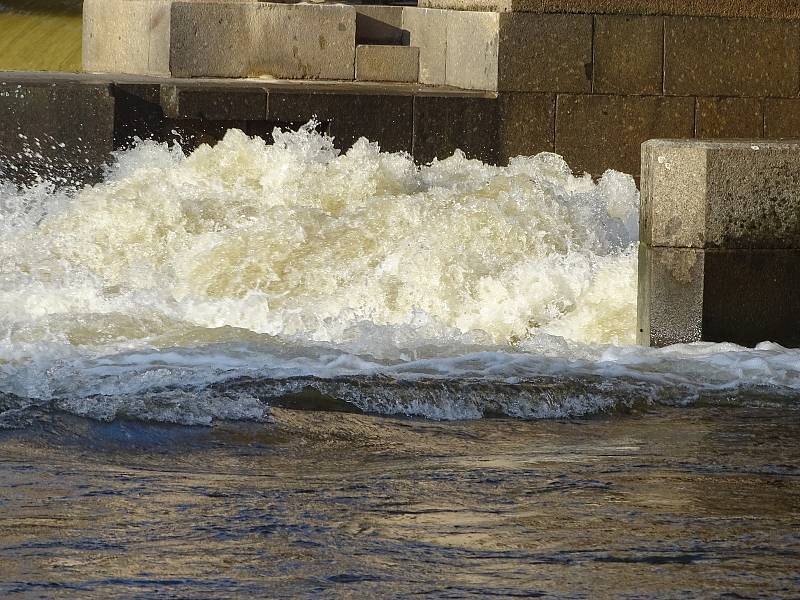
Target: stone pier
x=719, y=255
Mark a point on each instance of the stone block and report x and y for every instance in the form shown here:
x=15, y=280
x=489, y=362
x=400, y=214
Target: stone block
x=245, y=39
x=60, y=133
x=544, y=53
x=628, y=54
x=379, y=25
x=212, y=39
x=731, y=57
x=526, y=124
x=126, y=36
x=387, y=63
x=347, y=116
x=729, y=118
x=304, y=41
x=213, y=102
x=444, y=124
x=472, y=50
x=771, y=9
x=427, y=30
x=782, y=118
x=721, y=194
x=595, y=133
x=741, y=296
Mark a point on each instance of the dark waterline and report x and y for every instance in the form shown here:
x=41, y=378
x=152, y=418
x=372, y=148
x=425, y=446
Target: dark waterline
x=678, y=502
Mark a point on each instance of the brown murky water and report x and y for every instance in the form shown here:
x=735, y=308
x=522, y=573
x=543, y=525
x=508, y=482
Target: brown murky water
x=677, y=502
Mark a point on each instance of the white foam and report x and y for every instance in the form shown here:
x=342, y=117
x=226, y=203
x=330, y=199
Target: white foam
x=292, y=260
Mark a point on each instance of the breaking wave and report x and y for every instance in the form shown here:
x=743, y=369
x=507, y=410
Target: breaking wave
x=215, y=285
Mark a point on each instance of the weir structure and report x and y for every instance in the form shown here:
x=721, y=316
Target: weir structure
x=588, y=79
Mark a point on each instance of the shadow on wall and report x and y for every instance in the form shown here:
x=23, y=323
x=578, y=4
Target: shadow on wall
x=40, y=35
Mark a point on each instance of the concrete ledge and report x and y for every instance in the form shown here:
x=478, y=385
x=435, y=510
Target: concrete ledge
x=771, y=9
x=387, y=63
x=720, y=253
x=731, y=194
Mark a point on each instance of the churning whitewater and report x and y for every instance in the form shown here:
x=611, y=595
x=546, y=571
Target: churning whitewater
x=212, y=286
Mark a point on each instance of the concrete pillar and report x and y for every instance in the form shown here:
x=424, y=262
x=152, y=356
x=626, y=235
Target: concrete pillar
x=720, y=242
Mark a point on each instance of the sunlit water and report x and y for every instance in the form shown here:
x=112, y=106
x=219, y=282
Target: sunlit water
x=418, y=379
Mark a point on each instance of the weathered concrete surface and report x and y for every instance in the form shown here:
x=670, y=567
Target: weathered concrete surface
x=720, y=242
x=731, y=57
x=473, y=46
x=731, y=194
x=379, y=25
x=772, y=9
x=526, y=125
x=597, y=132
x=742, y=296
x=426, y=29
x=62, y=133
x=387, y=63
x=782, y=118
x=628, y=54
x=729, y=118
x=126, y=37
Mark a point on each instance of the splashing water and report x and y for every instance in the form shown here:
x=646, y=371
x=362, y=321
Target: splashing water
x=208, y=286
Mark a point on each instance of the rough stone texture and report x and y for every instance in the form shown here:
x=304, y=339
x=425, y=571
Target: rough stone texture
x=741, y=296
x=127, y=36
x=526, y=125
x=782, y=118
x=731, y=194
x=773, y=9
x=212, y=40
x=731, y=57
x=304, y=41
x=383, y=118
x=670, y=296
x=545, y=53
x=427, y=30
x=379, y=25
x=387, y=63
x=215, y=103
x=444, y=124
x=292, y=41
x=729, y=118
x=62, y=133
x=596, y=133
x=472, y=50
x=628, y=54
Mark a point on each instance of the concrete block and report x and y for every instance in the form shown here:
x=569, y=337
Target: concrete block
x=544, y=53
x=473, y=50
x=387, y=63
x=628, y=54
x=729, y=118
x=721, y=194
x=444, y=124
x=595, y=133
x=771, y=9
x=62, y=133
x=526, y=124
x=304, y=41
x=347, y=116
x=212, y=39
x=782, y=118
x=427, y=30
x=740, y=296
x=213, y=102
x=291, y=41
x=379, y=25
x=731, y=57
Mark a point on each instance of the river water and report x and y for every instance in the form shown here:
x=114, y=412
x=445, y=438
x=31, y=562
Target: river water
x=274, y=370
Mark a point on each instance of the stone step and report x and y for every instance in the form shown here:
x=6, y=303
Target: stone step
x=387, y=63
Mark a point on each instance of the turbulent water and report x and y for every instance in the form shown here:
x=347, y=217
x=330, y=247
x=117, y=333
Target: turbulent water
x=219, y=285
x=243, y=282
